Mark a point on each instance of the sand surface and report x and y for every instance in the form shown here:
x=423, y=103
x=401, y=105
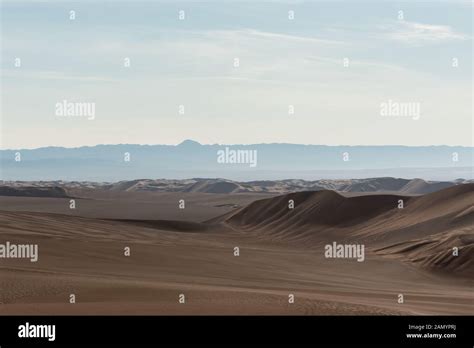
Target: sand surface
x=81, y=252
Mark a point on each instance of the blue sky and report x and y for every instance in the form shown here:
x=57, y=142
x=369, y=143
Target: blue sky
x=283, y=62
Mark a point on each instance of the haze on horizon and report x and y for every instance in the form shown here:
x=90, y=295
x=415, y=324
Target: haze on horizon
x=191, y=141
x=191, y=62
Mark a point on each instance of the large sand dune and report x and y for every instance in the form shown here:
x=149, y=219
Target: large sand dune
x=425, y=230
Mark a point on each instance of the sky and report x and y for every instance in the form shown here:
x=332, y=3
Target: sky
x=320, y=77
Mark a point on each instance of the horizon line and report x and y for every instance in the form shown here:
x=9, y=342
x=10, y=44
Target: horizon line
x=197, y=143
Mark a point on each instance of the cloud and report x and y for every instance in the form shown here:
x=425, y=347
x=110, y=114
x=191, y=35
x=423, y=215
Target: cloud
x=419, y=33
x=287, y=37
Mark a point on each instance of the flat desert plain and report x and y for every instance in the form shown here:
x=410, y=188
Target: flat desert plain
x=279, y=268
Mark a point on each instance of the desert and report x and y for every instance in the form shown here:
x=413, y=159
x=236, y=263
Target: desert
x=424, y=251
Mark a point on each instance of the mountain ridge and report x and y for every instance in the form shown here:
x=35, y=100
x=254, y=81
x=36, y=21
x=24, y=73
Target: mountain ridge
x=241, y=162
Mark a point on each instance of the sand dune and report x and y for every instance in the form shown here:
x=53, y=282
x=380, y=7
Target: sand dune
x=424, y=231
x=419, y=186
x=223, y=186
x=213, y=186
x=313, y=208
x=331, y=208
x=436, y=252
x=31, y=191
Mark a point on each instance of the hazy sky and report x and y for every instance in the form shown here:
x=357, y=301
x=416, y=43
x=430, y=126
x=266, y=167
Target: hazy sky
x=282, y=62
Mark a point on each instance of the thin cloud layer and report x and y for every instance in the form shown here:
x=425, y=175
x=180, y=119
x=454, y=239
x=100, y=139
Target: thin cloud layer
x=419, y=33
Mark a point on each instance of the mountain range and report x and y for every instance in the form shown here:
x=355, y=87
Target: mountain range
x=272, y=161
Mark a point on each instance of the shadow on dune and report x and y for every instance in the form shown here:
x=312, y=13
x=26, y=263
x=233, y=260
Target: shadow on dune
x=170, y=225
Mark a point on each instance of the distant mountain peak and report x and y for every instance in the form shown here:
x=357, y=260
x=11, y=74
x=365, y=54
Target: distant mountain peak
x=189, y=142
